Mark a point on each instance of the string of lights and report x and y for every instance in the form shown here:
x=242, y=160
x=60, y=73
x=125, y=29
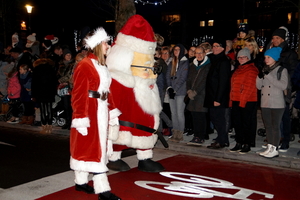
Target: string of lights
x=150, y=2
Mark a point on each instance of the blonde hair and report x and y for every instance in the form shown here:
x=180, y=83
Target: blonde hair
x=174, y=65
x=206, y=46
x=253, y=42
x=98, y=51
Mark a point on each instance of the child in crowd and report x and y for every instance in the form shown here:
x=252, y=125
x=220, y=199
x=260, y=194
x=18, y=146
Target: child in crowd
x=25, y=82
x=14, y=92
x=273, y=85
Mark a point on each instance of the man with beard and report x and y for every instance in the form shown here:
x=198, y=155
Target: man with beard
x=134, y=98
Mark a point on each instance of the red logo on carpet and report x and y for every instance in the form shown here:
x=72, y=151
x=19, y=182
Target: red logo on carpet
x=196, y=186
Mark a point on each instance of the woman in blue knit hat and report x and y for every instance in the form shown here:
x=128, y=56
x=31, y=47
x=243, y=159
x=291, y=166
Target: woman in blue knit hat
x=273, y=82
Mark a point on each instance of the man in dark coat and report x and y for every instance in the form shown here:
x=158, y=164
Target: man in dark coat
x=217, y=93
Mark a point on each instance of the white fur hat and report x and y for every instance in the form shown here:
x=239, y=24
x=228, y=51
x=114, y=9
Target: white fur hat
x=95, y=39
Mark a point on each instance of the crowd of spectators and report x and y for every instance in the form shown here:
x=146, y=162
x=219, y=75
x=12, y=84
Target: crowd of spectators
x=218, y=85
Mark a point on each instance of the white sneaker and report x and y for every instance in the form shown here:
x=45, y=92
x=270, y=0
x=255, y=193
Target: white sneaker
x=264, y=145
x=268, y=146
x=13, y=120
x=272, y=152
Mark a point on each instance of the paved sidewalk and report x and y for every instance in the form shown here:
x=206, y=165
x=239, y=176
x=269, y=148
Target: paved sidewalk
x=288, y=159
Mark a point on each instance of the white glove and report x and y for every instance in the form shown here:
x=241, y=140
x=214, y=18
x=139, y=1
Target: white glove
x=82, y=131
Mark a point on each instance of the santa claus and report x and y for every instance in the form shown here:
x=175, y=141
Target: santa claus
x=135, y=94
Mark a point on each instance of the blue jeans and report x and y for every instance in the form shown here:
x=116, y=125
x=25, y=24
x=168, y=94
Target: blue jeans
x=177, y=111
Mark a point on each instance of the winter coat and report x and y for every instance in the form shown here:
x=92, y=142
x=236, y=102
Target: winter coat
x=296, y=83
x=218, y=81
x=272, y=95
x=44, y=82
x=178, y=82
x=25, y=82
x=243, y=84
x=196, y=81
x=14, y=87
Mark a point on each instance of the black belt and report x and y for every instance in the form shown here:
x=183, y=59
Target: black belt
x=137, y=126
x=96, y=94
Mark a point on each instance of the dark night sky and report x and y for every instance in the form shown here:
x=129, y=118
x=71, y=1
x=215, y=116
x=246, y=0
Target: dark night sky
x=66, y=15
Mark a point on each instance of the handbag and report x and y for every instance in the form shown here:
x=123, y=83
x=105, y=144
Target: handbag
x=186, y=99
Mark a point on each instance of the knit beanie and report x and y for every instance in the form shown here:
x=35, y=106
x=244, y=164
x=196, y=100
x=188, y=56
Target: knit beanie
x=280, y=32
x=244, y=52
x=32, y=37
x=66, y=51
x=274, y=53
x=220, y=41
x=243, y=28
x=15, y=35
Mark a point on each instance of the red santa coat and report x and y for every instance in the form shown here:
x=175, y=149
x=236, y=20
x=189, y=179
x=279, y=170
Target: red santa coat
x=140, y=106
x=88, y=153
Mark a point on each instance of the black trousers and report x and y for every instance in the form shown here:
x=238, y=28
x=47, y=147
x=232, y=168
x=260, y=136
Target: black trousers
x=199, y=123
x=219, y=116
x=244, y=122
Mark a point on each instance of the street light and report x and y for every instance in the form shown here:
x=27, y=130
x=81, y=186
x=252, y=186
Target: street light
x=29, y=10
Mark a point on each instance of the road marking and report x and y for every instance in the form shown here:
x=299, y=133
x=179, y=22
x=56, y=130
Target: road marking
x=7, y=144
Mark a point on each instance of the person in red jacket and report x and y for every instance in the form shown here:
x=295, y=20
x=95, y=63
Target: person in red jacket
x=88, y=138
x=243, y=100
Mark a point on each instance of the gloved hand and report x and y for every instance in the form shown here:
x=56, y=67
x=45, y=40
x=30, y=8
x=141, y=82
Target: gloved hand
x=266, y=72
x=171, y=93
x=82, y=131
x=260, y=74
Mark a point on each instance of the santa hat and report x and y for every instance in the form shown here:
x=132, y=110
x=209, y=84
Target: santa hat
x=32, y=37
x=137, y=35
x=53, y=39
x=95, y=39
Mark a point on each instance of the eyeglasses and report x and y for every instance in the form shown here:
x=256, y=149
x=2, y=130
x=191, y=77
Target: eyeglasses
x=165, y=53
x=156, y=70
x=242, y=57
x=199, y=53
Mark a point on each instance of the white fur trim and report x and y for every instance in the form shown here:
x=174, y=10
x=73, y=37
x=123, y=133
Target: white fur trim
x=81, y=177
x=113, y=132
x=80, y=122
x=115, y=156
x=143, y=155
x=114, y=113
x=120, y=59
x=136, y=44
x=137, y=142
x=99, y=36
x=95, y=167
x=101, y=183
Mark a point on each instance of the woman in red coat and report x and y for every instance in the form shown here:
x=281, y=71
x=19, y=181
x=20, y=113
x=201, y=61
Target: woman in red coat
x=88, y=139
x=243, y=100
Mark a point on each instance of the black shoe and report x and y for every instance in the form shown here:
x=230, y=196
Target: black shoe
x=149, y=165
x=206, y=136
x=238, y=147
x=108, y=196
x=36, y=123
x=85, y=188
x=216, y=145
x=118, y=165
x=245, y=149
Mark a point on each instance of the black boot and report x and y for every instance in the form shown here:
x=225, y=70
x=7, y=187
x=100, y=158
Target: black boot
x=149, y=165
x=237, y=148
x=246, y=148
x=118, y=165
x=108, y=196
x=85, y=188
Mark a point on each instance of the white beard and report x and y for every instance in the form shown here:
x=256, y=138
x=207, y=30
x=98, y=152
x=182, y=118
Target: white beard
x=146, y=97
